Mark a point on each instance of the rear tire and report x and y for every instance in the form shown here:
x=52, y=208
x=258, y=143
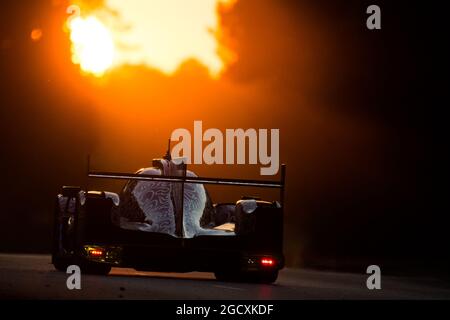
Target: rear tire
x=226, y=276
x=266, y=277
x=62, y=240
x=59, y=263
x=95, y=268
x=87, y=267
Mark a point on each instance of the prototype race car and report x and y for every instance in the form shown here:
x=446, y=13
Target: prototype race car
x=164, y=220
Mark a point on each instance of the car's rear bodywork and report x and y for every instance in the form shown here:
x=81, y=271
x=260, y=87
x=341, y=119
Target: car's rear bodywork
x=164, y=220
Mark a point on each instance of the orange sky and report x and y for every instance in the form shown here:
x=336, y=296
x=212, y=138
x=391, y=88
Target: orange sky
x=159, y=34
x=349, y=105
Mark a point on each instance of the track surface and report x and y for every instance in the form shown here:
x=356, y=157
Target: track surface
x=33, y=277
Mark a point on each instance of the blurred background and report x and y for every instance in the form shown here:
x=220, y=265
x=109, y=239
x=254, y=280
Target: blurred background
x=353, y=107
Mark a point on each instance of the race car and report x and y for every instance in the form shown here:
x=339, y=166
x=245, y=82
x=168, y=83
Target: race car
x=164, y=220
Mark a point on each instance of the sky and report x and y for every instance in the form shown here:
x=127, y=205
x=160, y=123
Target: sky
x=164, y=33
x=351, y=106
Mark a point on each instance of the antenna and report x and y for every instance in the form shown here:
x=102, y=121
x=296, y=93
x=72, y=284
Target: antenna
x=168, y=156
x=88, y=169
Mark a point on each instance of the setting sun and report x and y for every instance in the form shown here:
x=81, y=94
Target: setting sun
x=160, y=34
x=92, y=45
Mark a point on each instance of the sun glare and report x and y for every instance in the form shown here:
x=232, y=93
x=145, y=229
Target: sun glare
x=165, y=33
x=92, y=45
x=161, y=34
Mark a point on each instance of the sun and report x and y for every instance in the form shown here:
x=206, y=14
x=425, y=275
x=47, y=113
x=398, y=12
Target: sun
x=161, y=34
x=92, y=45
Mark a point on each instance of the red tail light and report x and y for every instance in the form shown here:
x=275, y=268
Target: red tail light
x=96, y=253
x=267, y=262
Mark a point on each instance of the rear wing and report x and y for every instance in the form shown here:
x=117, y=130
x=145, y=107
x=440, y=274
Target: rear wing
x=280, y=184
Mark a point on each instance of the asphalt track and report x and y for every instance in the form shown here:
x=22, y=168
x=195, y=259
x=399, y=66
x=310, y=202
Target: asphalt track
x=33, y=277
